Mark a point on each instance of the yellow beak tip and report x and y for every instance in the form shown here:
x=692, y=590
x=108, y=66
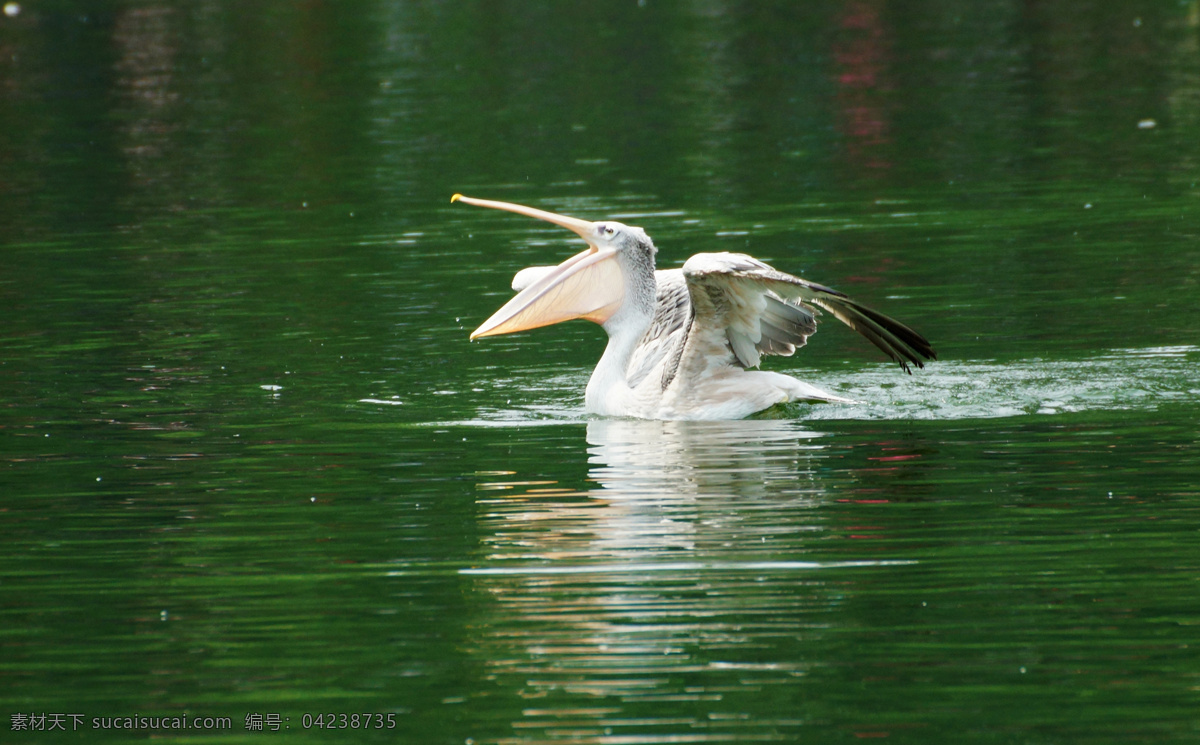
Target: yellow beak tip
x=455, y=198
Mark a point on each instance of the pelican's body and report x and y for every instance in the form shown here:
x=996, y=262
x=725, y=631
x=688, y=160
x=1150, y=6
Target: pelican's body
x=665, y=365
x=680, y=341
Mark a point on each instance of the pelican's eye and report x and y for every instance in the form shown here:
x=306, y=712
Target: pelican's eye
x=608, y=231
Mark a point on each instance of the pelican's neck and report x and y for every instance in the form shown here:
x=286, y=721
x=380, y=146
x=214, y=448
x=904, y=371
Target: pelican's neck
x=608, y=390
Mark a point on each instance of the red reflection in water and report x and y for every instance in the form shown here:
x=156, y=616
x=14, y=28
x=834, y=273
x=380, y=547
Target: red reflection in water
x=861, y=56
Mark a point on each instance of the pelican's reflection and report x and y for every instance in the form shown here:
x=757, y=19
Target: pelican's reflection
x=635, y=458
x=670, y=577
x=663, y=486
x=684, y=485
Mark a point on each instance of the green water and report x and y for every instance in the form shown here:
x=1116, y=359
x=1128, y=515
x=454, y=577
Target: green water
x=250, y=466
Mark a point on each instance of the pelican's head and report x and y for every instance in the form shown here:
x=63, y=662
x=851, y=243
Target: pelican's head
x=593, y=284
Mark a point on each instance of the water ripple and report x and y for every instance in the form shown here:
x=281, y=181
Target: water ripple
x=679, y=566
x=1121, y=379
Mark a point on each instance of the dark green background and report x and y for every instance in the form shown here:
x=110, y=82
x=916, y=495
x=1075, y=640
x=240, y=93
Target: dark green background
x=249, y=462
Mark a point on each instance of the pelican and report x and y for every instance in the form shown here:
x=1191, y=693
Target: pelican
x=681, y=342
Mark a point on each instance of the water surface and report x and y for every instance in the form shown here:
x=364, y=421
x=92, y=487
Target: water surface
x=251, y=466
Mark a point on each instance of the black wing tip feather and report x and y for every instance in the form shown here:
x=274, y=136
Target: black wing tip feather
x=896, y=340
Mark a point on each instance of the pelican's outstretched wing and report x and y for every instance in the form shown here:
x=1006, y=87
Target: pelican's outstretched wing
x=760, y=310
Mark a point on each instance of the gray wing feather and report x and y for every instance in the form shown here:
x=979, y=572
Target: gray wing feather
x=764, y=311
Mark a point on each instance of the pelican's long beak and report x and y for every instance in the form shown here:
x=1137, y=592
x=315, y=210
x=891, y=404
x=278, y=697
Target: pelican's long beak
x=587, y=285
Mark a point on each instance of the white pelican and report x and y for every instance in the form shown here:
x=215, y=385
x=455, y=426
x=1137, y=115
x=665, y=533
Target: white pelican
x=680, y=340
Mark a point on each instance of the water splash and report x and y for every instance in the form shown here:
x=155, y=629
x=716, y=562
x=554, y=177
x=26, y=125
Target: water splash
x=1124, y=379
x=1117, y=380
